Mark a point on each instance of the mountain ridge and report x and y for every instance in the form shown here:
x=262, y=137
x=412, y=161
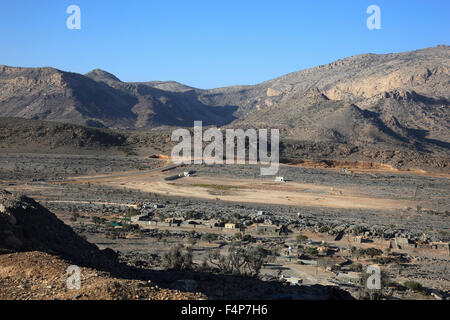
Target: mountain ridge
x=388, y=100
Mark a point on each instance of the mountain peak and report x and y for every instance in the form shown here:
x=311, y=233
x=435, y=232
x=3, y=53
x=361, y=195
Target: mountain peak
x=101, y=75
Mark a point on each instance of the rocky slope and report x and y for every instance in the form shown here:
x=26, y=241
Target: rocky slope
x=99, y=99
x=386, y=102
x=27, y=226
x=352, y=79
x=45, y=134
x=36, y=248
x=388, y=83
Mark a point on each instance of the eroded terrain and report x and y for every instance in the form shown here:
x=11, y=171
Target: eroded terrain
x=404, y=215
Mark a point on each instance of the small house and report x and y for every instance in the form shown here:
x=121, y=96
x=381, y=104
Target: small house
x=266, y=228
x=402, y=243
x=358, y=239
x=137, y=218
x=173, y=221
x=323, y=251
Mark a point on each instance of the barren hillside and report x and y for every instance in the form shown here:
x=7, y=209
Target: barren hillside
x=361, y=105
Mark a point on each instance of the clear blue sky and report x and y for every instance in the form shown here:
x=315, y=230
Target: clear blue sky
x=211, y=43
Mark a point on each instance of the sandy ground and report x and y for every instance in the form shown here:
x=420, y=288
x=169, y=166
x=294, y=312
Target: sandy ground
x=245, y=190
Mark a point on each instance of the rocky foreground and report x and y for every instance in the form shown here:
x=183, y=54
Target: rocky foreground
x=36, y=249
x=40, y=276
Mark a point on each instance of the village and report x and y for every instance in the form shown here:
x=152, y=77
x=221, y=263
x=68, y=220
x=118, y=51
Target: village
x=295, y=228
x=301, y=250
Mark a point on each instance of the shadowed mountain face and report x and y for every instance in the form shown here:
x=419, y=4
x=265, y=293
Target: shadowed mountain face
x=395, y=99
x=100, y=99
x=46, y=93
x=371, y=101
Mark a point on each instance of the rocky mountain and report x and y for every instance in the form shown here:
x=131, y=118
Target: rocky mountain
x=356, y=79
x=99, y=99
x=370, y=98
x=369, y=103
x=17, y=131
x=397, y=100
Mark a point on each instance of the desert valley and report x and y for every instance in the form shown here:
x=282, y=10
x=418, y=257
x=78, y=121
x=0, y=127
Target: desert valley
x=87, y=179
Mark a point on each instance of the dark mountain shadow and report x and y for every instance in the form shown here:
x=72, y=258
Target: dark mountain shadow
x=375, y=118
x=419, y=134
x=171, y=108
x=413, y=137
x=430, y=100
x=187, y=109
x=99, y=100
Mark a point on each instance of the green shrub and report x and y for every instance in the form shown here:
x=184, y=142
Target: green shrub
x=178, y=259
x=311, y=251
x=209, y=237
x=414, y=286
x=128, y=151
x=361, y=252
x=356, y=267
x=130, y=227
x=358, y=230
x=131, y=212
x=191, y=214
